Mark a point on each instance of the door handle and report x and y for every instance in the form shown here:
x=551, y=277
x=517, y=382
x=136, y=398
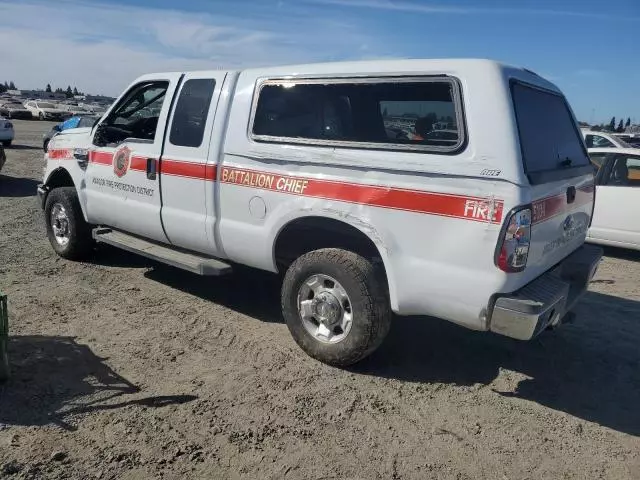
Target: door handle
x=571, y=194
x=151, y=168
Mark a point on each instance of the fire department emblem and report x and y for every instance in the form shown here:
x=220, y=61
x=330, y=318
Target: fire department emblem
x=121, y=161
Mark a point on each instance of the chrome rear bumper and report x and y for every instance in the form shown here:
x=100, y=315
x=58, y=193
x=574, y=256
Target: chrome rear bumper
x=546, y=300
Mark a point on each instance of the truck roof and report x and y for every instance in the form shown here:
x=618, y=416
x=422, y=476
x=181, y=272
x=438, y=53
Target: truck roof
x=397, y=66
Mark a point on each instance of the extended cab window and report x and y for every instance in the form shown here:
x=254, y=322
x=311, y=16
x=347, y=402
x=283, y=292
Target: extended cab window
x=190, y=117
x=136, y=117
x=422, y=114
x=549, y=137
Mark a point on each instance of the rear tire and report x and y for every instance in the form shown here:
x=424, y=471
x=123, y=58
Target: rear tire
x=68, y=232
x=358, y=283
x=45, y=146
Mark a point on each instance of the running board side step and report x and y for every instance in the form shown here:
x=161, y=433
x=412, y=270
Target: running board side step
x=192, y=262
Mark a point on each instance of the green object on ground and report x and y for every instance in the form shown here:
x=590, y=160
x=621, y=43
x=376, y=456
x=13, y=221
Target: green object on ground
x=4, y=338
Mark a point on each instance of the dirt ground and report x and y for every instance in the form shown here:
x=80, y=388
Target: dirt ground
x=126, y=369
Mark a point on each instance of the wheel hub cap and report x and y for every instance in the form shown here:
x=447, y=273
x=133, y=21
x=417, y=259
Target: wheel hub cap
x=325, y=309
x=60, y=224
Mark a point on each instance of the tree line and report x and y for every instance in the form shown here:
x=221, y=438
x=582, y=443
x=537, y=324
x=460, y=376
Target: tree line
x=7, y=86
x=611, y=126
x=69, y=92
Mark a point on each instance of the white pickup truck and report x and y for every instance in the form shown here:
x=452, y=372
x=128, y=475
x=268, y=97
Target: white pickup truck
x=331, y=174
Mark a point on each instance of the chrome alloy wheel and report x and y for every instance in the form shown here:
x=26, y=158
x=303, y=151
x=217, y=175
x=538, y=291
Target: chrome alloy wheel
x=325, y=309
x=60, y=224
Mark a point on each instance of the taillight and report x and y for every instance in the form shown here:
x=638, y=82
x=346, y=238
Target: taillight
x=513, y=246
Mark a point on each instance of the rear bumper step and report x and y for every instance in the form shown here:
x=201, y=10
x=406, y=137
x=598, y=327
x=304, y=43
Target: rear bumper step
x=547, y=300
x=169, y=255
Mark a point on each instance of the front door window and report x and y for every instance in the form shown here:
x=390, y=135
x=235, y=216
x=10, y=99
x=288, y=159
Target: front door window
x=135, y=118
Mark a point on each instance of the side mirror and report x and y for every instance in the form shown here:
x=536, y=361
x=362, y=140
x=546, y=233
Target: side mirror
x=82, y=156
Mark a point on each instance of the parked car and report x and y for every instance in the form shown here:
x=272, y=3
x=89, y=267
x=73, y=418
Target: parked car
x=616, y=219
x=78, y=121
x=3, y=157
x=6, y=132
x=46, y=110
x=15, y=110
x=290, y=169
x=632, y=139
x=74, y=109
x=595, y=139
x=444, y=136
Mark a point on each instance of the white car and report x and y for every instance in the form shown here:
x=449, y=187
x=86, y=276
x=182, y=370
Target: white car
x=6, y=132
x=595, y=139
x=616, y=221
x=46, y=110
x=74, y=109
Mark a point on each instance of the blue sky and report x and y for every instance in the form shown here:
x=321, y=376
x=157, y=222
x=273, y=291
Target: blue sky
x=588, y=48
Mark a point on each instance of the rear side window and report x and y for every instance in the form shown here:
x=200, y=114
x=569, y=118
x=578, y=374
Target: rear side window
x=190, y=117
x=549, y=137
x=418, y=114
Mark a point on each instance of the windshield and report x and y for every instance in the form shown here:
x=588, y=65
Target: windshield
x=46, y=105
x=87, y=121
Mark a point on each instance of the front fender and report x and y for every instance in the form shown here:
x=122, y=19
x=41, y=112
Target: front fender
x=63, y=173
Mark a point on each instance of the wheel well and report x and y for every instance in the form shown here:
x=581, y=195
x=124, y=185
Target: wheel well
x=60, y=178
x=312, y=233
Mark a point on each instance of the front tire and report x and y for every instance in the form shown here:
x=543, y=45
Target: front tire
x=336, y=306
x=68, y=232
x=6, y=143
x=41, y=116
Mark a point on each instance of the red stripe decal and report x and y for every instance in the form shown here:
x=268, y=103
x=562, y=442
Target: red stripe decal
x=471, y=208
x=182, y=169
x=167, y=166
x=60, y=154
x=211, y=173
x=138, y=164
x=547, y=208
x=103, y=158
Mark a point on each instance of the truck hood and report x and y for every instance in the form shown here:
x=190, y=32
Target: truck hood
x=72, y=138
x=76, y=131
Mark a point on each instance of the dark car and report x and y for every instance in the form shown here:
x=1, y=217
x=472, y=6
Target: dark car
x=631, y=138
x=78, y=121
x=14, y=109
